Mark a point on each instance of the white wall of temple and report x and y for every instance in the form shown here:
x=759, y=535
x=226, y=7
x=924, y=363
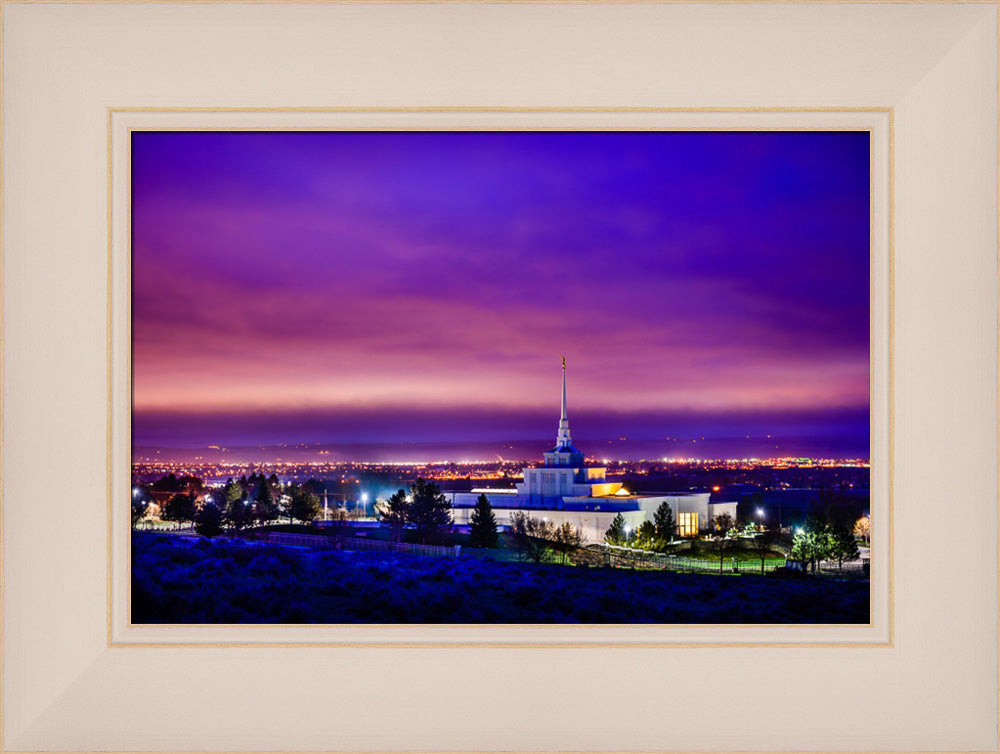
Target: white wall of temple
x=717, y=509
x=497, y=499
x=693, y=509
x=592, y=524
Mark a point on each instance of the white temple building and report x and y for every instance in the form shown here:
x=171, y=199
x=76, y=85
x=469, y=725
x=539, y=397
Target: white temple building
x=564, y=489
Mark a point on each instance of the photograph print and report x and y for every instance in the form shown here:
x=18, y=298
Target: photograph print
x=500, y=377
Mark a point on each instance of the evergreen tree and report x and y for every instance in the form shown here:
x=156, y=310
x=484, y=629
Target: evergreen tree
x=615, y=535
x=483, y=530
x=304, y=505
x=265, y=509
x=238, y=513
x=663, y=520
x=232, y=491
x=393, y=513
x=208, y=520
x=645, y=536
x=430, y=511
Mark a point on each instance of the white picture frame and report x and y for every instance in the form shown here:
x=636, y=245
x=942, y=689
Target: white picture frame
x=928, y=681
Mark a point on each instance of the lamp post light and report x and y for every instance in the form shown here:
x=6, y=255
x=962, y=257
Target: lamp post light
x=760, y=519
x=364, y=503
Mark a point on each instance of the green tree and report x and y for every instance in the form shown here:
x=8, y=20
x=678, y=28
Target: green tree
x=646, y=537
x=483, y=524
x=430, y=511
x=233, y=491
x=208, y=520
x=615, y=535
x=812, y=542
x=842, y=544
x=663, y=520
x=179, y=508
x=303, y=505
x=393, y=513
x=265, y=508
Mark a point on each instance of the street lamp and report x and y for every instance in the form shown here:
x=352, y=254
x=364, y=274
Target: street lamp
x=136, y=492
x=364, y=503
x=760, y=518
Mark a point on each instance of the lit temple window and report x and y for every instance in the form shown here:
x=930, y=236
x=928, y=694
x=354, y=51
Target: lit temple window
x=687, y=524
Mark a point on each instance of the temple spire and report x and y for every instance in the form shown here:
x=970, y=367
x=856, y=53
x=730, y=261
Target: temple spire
x=562, y=436
x=562, y=416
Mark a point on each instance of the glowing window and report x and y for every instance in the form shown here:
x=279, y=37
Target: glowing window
x=687, y=524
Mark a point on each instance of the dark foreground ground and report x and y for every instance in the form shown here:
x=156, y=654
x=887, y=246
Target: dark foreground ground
x=179, y=580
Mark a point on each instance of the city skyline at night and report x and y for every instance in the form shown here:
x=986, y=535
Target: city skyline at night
x=383, y=288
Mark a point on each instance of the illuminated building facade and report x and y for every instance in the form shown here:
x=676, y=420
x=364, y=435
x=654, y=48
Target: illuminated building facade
x=564, y=489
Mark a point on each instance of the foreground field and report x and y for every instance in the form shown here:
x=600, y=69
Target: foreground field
x=179, y=580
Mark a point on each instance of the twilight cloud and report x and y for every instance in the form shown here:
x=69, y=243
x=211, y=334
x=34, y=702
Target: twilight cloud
x=343, y=271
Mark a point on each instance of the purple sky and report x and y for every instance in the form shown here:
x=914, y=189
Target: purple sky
x=383, y=287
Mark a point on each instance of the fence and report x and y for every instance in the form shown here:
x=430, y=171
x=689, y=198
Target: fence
x=359, y=543
x=851, y=568
x=430, y=551
x=507, y=556
x=595, y=555
x=621, y=557
x=608, y=556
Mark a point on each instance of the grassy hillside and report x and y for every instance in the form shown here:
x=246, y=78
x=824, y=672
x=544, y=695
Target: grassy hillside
x=180, y=580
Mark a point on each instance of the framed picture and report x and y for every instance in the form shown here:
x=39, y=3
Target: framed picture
x=329, y=479
x=920, y=79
